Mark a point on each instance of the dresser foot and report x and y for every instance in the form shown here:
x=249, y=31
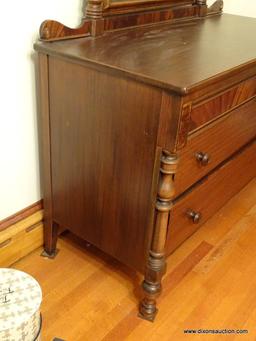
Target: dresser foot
x=152, y=287
x=146, y=314
x=147, y=307
x=52, y=255
x=50, y=239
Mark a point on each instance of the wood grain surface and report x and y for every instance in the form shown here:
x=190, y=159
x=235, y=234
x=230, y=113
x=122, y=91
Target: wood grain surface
x=100, y=16
x=171, y=15
x=95, y=294
x=210, y=195
x=176, y=58
x=20, y=238
x=218, y=140
x=15, y=218
x=103, y=145
x=211, y=109
x=111, y=105
x=50, y=231
x=52, y=30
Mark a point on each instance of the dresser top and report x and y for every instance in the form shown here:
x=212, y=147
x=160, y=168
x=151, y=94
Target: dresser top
x=180, y=58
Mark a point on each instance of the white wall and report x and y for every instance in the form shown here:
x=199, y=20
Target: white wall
x=20, y=20
x=240, y=7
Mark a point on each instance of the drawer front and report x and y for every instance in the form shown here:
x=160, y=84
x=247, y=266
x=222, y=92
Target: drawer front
x=209, y=110
x=195, y=207
x=210, y=146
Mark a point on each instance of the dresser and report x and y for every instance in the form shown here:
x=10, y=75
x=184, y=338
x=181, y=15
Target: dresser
x=148, y=126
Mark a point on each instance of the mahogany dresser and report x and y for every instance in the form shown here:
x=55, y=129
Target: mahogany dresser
x=148, y=126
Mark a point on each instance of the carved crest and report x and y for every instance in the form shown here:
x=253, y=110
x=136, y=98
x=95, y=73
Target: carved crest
x=104, y=15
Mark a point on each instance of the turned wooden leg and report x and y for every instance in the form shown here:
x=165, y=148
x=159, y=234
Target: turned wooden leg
x=156, y=264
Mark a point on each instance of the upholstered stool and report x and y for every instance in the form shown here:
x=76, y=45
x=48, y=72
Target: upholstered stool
x=20, y=300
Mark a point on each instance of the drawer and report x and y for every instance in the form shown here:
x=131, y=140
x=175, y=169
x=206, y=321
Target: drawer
x=192, y=209
x=209, y=110
x=213, y=144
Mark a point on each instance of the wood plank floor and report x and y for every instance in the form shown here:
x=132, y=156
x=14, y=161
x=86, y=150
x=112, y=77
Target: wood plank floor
x=210, y=284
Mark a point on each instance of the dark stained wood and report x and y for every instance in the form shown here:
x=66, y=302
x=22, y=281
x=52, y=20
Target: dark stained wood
x=50, y=230
x=215, y=8
x=214, y=89
x=175, y=58
x=202, y=7
x=156, y=265
x=26, y=212
x=127, y=325
x=207, y=111
x=52, y=30
x=184, y=124
x=220, y=140
x=173, y=15
x=124, y=14
x=166, y=120
x=103, y=140
x=153, y=195
x=122, y=7
x=169, y=122
x=209, y=196
x=94, y=9
x=118, y=108
x=202, y=107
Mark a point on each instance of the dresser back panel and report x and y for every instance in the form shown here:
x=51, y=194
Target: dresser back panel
x=103, y=144
x=135, y=19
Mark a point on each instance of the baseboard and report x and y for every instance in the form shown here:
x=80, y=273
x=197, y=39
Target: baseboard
x=20, y=234
x=26, y=212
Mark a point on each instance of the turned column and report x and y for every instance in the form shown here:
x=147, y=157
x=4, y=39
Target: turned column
x=202, y=11
x=156, y=264
x=94, y=12
x=94, y=9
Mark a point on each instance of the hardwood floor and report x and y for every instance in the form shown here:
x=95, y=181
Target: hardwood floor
x=210, y=284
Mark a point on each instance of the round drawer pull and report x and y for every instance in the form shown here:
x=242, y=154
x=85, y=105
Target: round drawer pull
x=202, y=158
x=194, y=216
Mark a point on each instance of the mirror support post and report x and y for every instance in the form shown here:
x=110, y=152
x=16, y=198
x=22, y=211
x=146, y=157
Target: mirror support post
x=202, y=7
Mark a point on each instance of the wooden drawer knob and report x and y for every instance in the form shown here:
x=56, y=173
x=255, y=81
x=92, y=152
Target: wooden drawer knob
x=202, y=158
x=194, y=216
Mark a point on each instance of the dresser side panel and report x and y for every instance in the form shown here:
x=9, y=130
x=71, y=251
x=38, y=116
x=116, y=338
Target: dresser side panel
x=103, y=140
